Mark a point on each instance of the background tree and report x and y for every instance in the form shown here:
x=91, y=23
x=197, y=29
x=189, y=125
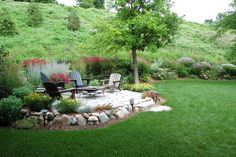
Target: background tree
x=99, y=4
x=209, y=21
x=85, y=3
x=137, y=25
x=227, y=21
x=35, y=17
x=37, y=1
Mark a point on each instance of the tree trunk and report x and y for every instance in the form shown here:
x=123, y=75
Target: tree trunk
x=135, y=66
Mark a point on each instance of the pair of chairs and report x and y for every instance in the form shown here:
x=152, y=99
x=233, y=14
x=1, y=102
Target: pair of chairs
x=55, y=90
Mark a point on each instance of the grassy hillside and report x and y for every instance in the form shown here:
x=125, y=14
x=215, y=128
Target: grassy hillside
x=54, y=41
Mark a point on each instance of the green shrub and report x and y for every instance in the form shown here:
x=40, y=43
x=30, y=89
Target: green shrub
x=35, y=17
x=73, y=21
x=37, y=101
x=94, y=83
x=230, y=69
x=68, y=106
x=21, y=92
x=183, y=71
x=138, y=87
x=10, y=110
x=164, y=74
x=86, y=3
x=199, y=68
x=99, y=4
x=26, y=123
x=7, y=25
x=169, y=64
x=231, y=54
x=10, y=77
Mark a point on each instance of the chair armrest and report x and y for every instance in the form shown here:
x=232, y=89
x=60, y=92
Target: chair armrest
x=102, y=82
x=87, y=79
x=67, y=90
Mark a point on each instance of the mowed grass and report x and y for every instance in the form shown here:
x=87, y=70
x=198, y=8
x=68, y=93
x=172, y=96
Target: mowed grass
x=202, y=123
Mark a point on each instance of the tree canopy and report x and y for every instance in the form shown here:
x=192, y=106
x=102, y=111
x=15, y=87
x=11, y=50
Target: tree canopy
x=138, y=24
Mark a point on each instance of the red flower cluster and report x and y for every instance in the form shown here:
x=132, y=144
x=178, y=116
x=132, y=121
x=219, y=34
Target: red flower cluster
x=60, y=77
x=35, y=61
x=94, y=59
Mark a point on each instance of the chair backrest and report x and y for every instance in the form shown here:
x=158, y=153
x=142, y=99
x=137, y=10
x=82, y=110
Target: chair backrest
x=44, y=78
x=114, y=77
x=75, y=75
x=51, y=89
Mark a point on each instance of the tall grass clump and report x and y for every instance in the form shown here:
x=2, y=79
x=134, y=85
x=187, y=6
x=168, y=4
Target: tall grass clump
x=7, y=24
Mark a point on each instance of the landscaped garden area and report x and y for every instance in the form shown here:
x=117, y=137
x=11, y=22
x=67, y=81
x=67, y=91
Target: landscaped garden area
x=200, y=124
x=131, y=78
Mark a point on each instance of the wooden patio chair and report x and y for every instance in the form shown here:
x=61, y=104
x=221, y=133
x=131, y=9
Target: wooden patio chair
x=112, y=83
x=78, y=80
x=44, y=78
x=53, y=91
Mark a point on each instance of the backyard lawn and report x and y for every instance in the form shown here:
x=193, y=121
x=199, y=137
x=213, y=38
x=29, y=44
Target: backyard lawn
x=202, y=123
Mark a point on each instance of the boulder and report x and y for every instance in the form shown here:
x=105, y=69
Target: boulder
x=136, y=109
x=81, y=121
x=95, y=114
x=120, y=114
x=25, y=111
x=103, y=117
x=62, y=120
x=112, y=117
x=35, y=113
x=108, y=112
x=86, y=115
x=49, y=116
x=55, y=112
x=93, y=119
x=129, y=108
x=73, y=120
x=125, y=111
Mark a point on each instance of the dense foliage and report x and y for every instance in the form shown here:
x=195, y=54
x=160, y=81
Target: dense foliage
x=73, y=21
x=26, y=123
x=35, y=17
x=7, y=24
x=21, y=92
x=10, y=110
x=68, y=106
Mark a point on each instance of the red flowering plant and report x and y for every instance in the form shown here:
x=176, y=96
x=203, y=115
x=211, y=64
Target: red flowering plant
x=94, y=59
x=57, y=77
x=35, y=61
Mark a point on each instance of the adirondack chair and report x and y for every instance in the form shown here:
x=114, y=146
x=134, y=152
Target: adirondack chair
x=112, y=83
x=44, y=78
x=76, y=78
x=53, y=91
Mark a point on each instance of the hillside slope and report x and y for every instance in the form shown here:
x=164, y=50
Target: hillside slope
x=54, y=41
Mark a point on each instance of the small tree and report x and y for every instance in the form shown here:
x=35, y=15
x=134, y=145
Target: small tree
x=137, y=25
x=7, y=25
x=35, y=17
x=99, y=4
x=73, y=21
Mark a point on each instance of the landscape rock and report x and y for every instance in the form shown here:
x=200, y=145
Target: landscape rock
x=73, y=120
x=62, y=120
x=136, y=109
x=90, y=123
x=81, y=121
x=49, y=116
x=112, y=117
x=95, y=114
x=160, y=108
x=55, y=112
x=86, y=115
x=124, y=110
x=129, y=108
x=108, y=112
x=35, y=113
x=93, y=119
x=120, y=114
x=25, y=111
x=103, y=117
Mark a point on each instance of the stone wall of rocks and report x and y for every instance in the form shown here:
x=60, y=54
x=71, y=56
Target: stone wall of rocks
x=81, y=120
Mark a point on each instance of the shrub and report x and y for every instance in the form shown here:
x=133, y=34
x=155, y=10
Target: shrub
x=138, y=87
x=35, y=17
x=86, y=3
x=156, y=65
x=99, y=4
x=103, y=107
x=7, y=25
x=186, y=61
x=10, y=110
x=60, y=77
x=37, y=102
x=73, y=21
x=37, y=1
x=10, y=77
x=183, y=71
x=198, y=68
x=164, y=74
x=94, y=83
x=68, y=106
x=21, y=92
x=230, y=69
x=26, y=123
x=231, y=55
x=169, y=64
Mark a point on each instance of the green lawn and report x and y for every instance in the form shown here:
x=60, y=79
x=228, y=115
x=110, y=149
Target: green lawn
x=202, y=123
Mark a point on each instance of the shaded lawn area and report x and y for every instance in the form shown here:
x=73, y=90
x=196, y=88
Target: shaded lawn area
x=202, y=123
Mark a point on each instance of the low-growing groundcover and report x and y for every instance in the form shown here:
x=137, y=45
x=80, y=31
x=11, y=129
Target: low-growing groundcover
x=202, y=123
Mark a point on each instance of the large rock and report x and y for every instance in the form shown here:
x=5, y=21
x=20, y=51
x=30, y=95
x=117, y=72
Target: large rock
x=35, y=113
x=81, y=121
x=136, y=109
x=119, y=114
x=55, y=112
x=73, y=120
x=160, y=109
x=62, y=120
x=103, y=117
x=95, y=114
x=112, y=117
x=86, y=115
x=93, y=119
x=129, y=108
x=125, y=111
x=49, y=116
